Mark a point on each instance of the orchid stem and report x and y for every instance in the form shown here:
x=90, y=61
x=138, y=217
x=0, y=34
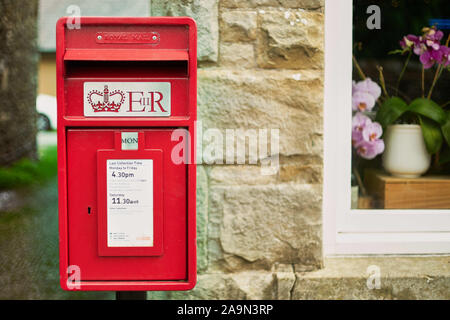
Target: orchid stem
x=423, y=82
x=361, y=73
x=359, y=182
x=358, y=68
x=436, y=77
x=383, y=83
x=403, y=72
x=445, y=104
x=436, y=160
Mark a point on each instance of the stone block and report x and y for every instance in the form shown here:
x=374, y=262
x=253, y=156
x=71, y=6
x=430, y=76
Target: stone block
x=236, y=26
x=259, y=226
x=291, y=40
x=202, y=219
x=288, y=101
x=237, y=54
x=401, y=278
x=205, y=13
x=304, y=4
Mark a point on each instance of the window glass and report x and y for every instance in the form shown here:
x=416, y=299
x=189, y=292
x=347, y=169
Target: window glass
x=401, y=104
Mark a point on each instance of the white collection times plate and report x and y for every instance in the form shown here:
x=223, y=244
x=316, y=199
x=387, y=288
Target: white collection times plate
x=129, y=188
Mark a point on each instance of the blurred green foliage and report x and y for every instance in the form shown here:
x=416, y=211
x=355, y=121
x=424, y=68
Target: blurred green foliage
x=27, y=172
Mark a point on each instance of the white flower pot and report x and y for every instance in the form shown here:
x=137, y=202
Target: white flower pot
x=405, y=152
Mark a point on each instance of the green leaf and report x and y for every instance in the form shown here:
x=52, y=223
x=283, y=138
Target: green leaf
x=429, y=109
x=390, y=111
x=446, y=129
x=431, y=134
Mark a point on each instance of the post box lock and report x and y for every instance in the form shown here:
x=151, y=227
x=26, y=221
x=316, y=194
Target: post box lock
x=121, y=96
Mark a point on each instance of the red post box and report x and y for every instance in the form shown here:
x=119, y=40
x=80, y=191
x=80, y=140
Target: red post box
x=127, y=93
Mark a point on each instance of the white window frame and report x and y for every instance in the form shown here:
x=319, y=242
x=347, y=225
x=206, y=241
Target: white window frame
x=348, y=231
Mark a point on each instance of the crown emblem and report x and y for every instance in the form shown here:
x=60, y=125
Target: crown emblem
x=106, y=101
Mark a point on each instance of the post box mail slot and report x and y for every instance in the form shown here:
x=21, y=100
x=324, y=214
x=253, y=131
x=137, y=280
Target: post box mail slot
x=126, y=105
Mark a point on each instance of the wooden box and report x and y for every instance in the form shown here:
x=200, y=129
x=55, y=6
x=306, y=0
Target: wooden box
x=428, y=192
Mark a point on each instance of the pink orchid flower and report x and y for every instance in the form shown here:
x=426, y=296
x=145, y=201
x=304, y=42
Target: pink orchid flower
x=362, y=101
x=433, y=38
x=366, y=137
x=428, y=47
x=410, y=41
x=368, y=86
x=359, y=122
x=372, y=132
x=445, y=56
x=430, y=57
x=369, y=150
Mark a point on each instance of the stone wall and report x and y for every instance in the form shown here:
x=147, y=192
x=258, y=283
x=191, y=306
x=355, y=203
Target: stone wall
x=260, y=67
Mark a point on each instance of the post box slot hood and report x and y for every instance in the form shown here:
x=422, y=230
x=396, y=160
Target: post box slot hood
x=126, y=55
x=105, y=70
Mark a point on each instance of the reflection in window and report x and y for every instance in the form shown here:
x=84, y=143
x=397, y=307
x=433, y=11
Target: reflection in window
x=401, y=104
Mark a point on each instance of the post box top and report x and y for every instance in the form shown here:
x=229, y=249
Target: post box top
x=62, y=22
x=162, y=33
x=148, y=63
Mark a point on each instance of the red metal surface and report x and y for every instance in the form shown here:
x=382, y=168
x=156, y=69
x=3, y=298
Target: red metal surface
x=170, y=58
x=125, y=55
x=83, y=146
x=158, y=196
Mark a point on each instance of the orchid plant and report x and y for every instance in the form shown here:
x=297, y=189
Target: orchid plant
x=432, y=117
x=366, y=134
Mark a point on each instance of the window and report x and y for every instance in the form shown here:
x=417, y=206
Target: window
x=366, y=209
